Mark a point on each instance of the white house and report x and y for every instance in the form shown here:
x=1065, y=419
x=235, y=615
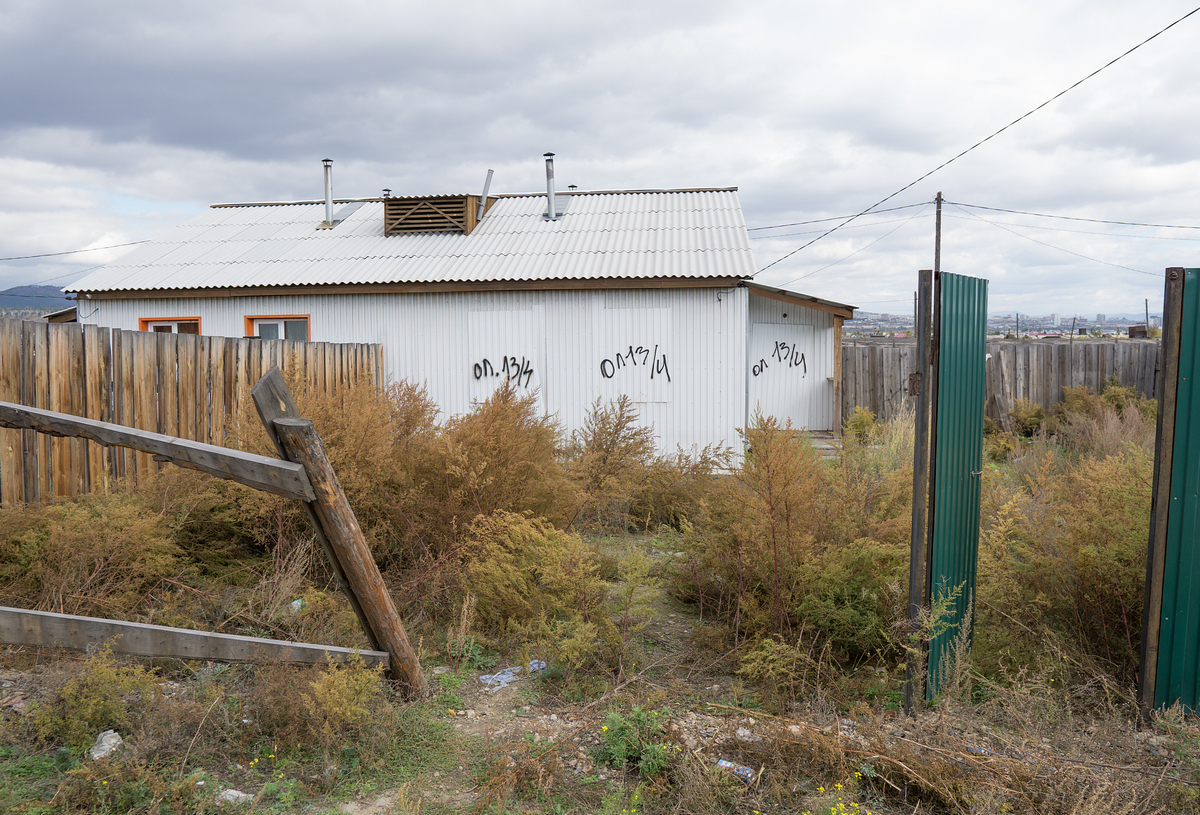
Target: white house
x=647, y=293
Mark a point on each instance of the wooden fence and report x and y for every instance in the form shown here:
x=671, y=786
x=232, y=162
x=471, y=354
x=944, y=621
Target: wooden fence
x=875, y=374
x=191, y=387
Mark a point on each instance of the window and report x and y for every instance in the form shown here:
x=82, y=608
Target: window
x=278, y=327
x=170, y=325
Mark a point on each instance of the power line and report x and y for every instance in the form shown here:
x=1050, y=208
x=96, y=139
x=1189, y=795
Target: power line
x=856, y=226
x=981, y=142
x=74, y=251
x=1059, y=248
x=1087, y=231
x=834, y=218
x=860, y=249
x=1072, y=218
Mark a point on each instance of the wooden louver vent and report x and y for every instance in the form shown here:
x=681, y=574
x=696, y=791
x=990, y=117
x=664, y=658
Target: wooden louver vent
x=441, y=213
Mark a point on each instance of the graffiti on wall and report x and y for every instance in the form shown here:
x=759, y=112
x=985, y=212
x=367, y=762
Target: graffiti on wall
x=517, y=371
x=636, y=357
x=785, y=355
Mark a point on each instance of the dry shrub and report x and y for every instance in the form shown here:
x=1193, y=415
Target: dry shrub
x=811, y=555
x=1027, y=418
x=518, y=768
x=608, y=457
x=869, y=486
x=1063, y=552
x=1103, y=424
x=537, y=582
x=624, y=485
x=97, y=556
x=502, y=456
x=101, y=694
x=676, y=489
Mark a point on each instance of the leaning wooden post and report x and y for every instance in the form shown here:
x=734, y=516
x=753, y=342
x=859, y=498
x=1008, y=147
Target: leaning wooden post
x=302, y=445
x=273, y=400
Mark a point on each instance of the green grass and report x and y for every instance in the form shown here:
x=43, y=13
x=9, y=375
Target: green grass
x=28, y=782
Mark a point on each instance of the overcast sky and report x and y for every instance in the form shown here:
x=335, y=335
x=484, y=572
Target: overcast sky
x=119, y=120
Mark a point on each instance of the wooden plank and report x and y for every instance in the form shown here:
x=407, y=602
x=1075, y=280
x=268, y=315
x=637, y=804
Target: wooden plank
x=302, y=444
x=203, y=411
x=94, y=403
x=46, y=629
x=60, y=401
x=217, y=401
x=324, y=365
x=41, y=398
x=260, y=472
x=273, y=401
x=873, y=363
x=145, y=383
x=186, y=349
x=124, y=400
x=247, y=360
x=168, y=384
x=12, y=480
x=29, y=439
x=77, y=401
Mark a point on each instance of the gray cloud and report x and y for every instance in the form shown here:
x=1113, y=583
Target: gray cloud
x=130, y=117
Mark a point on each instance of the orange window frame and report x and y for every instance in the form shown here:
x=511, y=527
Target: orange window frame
x=250, y=318
x=145, y=322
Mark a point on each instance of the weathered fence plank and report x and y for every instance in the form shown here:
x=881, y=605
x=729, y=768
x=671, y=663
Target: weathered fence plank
x=47, y=629
x=260, y=472
x=876, y=373
x=174, y=384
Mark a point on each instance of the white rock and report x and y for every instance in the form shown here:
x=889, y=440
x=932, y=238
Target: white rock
x=233, y=797
x=106, y=742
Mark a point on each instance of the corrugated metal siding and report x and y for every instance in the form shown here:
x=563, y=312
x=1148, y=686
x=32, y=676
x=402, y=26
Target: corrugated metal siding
x=436, y=339
x=804, y=395
x=1178, y=674
x=957, y=459
x=692, y=234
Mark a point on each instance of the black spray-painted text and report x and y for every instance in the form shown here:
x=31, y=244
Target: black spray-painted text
x=519, y=372
x=636, y=357
x=787, y=355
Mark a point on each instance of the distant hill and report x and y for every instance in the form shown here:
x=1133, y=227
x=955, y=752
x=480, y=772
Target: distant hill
x=41, y=298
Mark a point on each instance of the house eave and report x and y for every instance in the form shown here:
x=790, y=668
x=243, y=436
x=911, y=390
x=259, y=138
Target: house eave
x=604, y=284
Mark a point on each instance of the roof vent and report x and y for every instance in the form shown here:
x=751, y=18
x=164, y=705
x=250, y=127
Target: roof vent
x=433, y=213
x=329, y=222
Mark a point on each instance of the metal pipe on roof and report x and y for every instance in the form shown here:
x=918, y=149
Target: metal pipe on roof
x=550, y=213
x=328, y=162
x=487, y=185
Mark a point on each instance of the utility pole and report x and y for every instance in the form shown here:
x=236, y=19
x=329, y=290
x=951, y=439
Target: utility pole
x=1147, y=316
x=937, y=237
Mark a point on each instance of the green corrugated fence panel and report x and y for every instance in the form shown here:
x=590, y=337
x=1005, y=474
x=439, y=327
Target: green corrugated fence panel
x=958, y=457
x=1178, y=676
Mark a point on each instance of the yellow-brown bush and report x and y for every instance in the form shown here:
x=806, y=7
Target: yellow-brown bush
x=533, y=581
x=104, y=694
x=1085, y=423
x=1063, y=551
x=502, y=456
x=806, y=552
x=608, y=458
x=624, y=485
x=95, y=556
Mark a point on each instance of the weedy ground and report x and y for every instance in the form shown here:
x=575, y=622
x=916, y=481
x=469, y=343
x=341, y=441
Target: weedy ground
x=719, y=636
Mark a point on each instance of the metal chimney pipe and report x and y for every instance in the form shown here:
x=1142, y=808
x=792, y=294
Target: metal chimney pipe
x=550, y=213
x=487, y=185
x=328, y=162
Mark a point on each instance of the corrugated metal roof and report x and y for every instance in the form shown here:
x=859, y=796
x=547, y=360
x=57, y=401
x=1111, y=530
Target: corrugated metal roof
x=602, y=235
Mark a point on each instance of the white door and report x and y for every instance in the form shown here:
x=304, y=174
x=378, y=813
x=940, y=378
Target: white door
x=783, y=380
